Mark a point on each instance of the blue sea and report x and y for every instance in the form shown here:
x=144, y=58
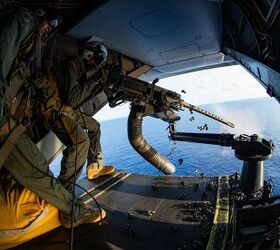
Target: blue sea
x=253, y=116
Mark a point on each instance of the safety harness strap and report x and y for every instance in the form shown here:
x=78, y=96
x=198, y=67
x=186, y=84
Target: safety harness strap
x=10, y=141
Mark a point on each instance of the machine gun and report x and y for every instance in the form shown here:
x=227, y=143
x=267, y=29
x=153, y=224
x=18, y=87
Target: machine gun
x=148, y=99
x=158, y=102
x=252, y=150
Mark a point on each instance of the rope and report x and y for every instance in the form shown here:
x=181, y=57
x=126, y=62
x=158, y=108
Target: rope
x=91, y=150
x=173, y=147
x=73, y=191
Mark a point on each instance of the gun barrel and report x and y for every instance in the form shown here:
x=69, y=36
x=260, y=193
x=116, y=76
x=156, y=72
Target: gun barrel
x=206, y=113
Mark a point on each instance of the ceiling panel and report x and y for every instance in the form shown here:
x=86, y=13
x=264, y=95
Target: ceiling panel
x=156, y=32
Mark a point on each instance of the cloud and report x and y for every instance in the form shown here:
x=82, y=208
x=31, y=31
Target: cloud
x=245, y=121
x=108, y=113
x=222, y=84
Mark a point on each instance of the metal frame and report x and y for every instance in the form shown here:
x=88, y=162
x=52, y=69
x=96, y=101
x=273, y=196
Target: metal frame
x=269, y=78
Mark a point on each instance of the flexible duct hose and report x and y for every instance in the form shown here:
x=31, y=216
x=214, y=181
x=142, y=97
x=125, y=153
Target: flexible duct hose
x=134, y=127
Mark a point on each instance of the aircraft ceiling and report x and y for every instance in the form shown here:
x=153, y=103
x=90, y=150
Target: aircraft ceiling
x=169, y=36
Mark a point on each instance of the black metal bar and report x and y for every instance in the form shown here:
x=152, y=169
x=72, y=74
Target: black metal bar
x=206, y=138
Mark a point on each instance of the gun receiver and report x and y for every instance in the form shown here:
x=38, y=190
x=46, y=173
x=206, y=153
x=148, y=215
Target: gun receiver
x=159, y=101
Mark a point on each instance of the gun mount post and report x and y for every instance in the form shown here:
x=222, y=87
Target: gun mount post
x=253, y=151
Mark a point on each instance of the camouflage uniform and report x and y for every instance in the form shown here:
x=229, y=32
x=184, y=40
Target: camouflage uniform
x=94, y=133
x=74, y=87
x=25, y=162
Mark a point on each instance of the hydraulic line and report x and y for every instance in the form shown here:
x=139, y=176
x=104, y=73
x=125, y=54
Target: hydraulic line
x=134, y=127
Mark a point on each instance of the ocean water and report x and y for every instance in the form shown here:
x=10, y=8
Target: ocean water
x=253, y=116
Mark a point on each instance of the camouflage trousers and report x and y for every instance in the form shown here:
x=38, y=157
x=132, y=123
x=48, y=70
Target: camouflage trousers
x=81, y=136
x=28, y=166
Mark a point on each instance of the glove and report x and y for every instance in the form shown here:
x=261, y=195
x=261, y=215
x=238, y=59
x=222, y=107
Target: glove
x=115, y=73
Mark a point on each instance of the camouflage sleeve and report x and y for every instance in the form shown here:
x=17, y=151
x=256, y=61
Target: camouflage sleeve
x=72, y=87
x=15, y=30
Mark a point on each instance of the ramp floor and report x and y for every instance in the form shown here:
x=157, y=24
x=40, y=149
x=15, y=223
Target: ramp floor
x=143, y=212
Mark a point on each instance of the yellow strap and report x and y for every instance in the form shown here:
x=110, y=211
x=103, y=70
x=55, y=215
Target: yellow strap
x=10, y=142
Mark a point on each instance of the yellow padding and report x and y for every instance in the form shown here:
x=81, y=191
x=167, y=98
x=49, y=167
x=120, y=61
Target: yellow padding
x=24, y=216
x=221, y=216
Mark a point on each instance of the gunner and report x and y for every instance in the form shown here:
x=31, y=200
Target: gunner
x=76, y=77
x=22, y=161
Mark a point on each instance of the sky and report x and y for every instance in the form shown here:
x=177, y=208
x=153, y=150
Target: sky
x=217, y=85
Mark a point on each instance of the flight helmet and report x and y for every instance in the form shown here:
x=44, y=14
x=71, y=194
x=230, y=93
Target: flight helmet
x=97, y=51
